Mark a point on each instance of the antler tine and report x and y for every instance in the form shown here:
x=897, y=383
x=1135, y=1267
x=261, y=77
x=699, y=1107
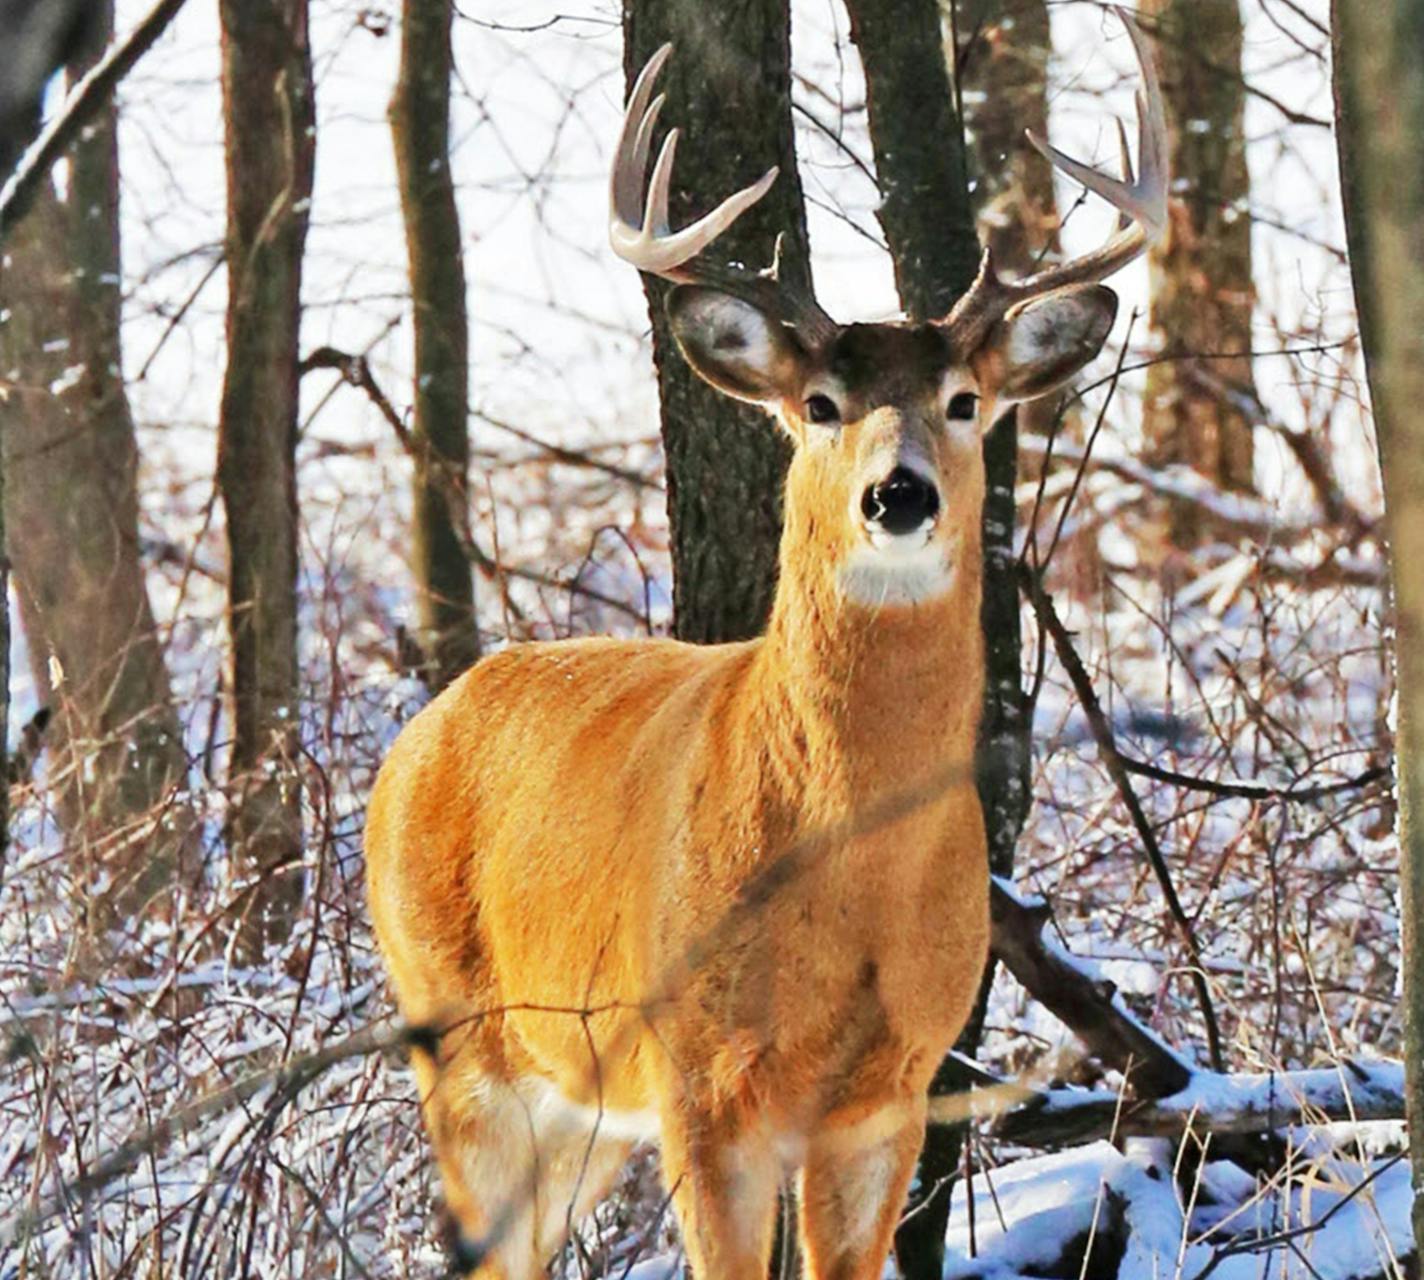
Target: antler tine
x=1124, y=220
x=638, y=226
x=630, y=158
x=1141, y=201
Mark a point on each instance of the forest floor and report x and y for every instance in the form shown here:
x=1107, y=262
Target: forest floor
x=147, y=1126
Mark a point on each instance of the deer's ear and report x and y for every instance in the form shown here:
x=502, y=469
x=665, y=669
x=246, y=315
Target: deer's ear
x=734, y=345
x=1042, y=343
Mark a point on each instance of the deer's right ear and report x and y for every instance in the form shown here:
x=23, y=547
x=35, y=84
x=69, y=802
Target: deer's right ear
x=735, y=345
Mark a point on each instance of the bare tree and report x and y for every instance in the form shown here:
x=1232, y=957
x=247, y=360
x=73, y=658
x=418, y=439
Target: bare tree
x=1382, y=167
x=1202, y=291
x=725, y=462
x=72, y=513
x=42, y=38
x=420, y=127
x=269, y=123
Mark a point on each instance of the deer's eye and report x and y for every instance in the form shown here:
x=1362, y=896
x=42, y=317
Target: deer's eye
x=821, y=408
x=962, y=407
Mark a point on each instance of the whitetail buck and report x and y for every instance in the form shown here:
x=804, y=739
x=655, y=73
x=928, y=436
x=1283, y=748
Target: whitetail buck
x=656, y=891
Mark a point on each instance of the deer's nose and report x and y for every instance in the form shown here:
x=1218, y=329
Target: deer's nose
x=900, y=503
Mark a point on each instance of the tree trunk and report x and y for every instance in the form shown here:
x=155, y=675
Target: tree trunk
x=1006, y=45
x=420, y=127
x=269, y=124
x=729, y=85
x=43, y=36
x=922, y=168
x=1202, y=293
x=116, y=750
x=920, y=159
x=1381, y=141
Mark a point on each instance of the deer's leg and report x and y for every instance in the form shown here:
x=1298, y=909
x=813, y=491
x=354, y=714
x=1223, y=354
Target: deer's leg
x=517, y=1172
x=724, y=1189
x=853, y=1188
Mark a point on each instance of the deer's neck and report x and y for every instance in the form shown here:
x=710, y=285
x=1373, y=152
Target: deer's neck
x=854, y=703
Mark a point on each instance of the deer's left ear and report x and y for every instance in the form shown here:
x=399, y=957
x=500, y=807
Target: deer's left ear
x=1042, y=343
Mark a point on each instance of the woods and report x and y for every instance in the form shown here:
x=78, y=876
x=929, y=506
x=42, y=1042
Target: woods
x=318, y=382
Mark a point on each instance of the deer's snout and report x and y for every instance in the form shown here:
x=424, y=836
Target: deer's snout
x=901, y=503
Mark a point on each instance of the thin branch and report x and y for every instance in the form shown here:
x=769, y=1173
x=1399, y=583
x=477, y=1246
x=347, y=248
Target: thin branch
x=1260, y=1244
x=356, y=371
x=285, y=1082
x=571, y=457
x=1254, y=790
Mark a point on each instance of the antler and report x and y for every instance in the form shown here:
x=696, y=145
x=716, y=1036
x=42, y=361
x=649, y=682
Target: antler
x=1142, y=202
x=639, y=232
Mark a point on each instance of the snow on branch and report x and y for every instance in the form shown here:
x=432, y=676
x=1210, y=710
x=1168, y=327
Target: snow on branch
x=1239, y=512
x=1171, y=1096
x=1255, y=1102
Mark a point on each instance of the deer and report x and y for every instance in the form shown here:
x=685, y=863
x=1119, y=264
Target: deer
x=733, y=899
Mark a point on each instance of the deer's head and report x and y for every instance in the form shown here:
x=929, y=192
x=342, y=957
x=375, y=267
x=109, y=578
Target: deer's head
x=887, y=418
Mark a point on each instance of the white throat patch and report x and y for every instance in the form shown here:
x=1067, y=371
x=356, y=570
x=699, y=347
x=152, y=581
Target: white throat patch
x=908, y=569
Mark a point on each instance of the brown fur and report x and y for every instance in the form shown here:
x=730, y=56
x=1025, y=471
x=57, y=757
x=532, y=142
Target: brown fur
x=762, y=867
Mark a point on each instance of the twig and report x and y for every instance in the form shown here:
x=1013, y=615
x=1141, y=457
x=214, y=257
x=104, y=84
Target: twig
x=1305, y=349
x=1260, y=1243
x=87, y=97
x=286, y=1082
x=356, y=371
x=571, y=457
x=1087, y=453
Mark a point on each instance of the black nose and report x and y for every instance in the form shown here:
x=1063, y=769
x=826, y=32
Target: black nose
x=901, y=502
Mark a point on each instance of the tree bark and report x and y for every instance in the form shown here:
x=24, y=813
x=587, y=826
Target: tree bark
x=1381, y=141
x=1202, y=291
x=921, y=165
x=43, y=36
x=420, y=127
x=729, y=85
x=71, y=507
x=1005, y=48
x=1006, y=45
x=269, y=125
